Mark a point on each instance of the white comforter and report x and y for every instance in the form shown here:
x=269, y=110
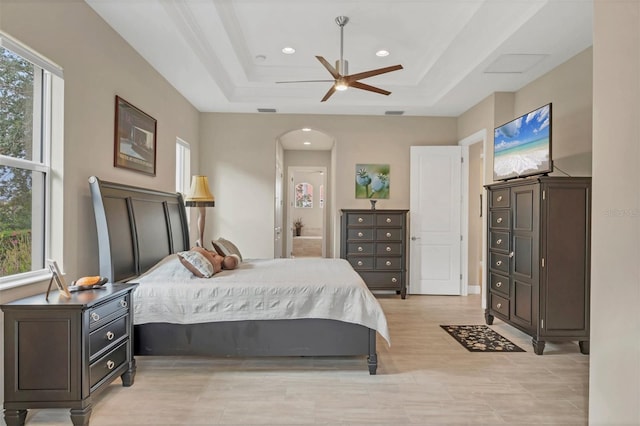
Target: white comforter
x=258, y=290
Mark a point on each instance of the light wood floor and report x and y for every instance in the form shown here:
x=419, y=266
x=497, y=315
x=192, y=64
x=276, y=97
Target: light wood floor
x=424, y=378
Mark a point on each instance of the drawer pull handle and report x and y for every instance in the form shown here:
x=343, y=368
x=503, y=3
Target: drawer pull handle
x=360, y=249
x=499, y=220
x=499, y=305
x=360, y=220
x=499, y=241
x=123, y=303
x=499, y=198
x=359, y=262
x=110, y=335
x=110, y=364
x=95, y=316
x=388, y=234
x=499, y=284
x=394, y=280
x=388, y=248
x=499, y=262
x=388, y=263
x=360, y=234
x=388, y=220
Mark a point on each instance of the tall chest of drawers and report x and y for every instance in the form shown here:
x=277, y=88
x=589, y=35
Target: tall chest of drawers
x=59, y=353
x=539, y=258
x=375, y=244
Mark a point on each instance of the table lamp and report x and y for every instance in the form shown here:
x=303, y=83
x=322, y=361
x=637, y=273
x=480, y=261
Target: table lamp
x=200, y=196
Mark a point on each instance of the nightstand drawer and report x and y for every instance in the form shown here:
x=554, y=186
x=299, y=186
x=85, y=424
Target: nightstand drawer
x=359, y=248
x=361, y=263
x=389, y=249
x=359, y=234
x=500, y=305
x=104, y=313
x=389, y=235
x=389, y=263
x=108, y=335
x=360, y=219
x=391, y=219
x=108, y=363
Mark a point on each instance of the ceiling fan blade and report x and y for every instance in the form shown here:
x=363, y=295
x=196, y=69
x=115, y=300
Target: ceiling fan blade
x=329, y=93
x=328, y=66
x=306, y=81
x=363, y=86
x=367, y=74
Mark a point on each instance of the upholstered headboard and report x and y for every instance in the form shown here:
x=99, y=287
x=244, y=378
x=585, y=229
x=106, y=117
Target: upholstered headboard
x=136, y=227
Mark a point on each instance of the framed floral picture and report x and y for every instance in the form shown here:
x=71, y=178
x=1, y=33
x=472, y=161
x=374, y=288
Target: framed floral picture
x=372, y=181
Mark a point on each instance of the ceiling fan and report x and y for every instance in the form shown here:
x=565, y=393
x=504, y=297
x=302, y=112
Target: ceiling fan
x=342, y=80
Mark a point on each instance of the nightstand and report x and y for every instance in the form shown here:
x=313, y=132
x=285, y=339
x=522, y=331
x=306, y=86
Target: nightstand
x=59, y=353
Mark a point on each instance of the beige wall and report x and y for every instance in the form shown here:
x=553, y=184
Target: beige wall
x=475, y=220
x=238, y=155
x=614, y=373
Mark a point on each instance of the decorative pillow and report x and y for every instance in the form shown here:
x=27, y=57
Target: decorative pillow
x=197, y=263
x=230, y=262
x=211, y=256
x=226, y=248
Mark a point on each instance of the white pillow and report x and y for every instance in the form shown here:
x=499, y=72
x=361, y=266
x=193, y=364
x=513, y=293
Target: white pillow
x=197, y=263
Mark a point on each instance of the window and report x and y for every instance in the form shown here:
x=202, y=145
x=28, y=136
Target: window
x=183, y=166
x=28, y=83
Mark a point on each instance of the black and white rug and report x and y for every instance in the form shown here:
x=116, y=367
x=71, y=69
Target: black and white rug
x=480, y=338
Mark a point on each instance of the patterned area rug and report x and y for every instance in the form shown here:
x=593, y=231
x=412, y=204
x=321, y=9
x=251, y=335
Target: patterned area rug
x=480, y=338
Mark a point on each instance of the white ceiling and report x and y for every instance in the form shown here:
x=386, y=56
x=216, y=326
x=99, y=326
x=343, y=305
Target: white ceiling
x=210, y=50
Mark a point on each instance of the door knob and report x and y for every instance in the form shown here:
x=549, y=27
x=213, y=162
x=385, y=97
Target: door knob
x=415, y=238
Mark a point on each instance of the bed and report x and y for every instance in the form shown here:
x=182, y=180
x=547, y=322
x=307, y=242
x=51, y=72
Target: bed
x=140, y=231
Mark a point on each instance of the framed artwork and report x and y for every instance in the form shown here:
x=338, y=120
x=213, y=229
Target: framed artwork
x=135, y=139
x=372, y=180
x=304, y=196
x=58, y=278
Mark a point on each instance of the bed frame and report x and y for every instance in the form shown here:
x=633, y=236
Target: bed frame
x=138, y=227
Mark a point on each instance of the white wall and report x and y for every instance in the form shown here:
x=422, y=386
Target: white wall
x=614, y=373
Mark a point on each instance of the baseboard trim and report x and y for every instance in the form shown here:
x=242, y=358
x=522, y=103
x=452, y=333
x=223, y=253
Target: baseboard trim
x=473, y=289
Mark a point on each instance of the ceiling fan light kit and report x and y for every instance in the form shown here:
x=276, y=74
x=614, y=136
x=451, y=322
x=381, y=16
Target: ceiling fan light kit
x=341, y=77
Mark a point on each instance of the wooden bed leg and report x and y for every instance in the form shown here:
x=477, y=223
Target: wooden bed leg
x=372, y=362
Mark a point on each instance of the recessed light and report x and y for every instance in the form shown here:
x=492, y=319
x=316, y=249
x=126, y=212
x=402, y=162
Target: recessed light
x=307, y=143
x=382, y=53
x=306, y=129
x=288, y=50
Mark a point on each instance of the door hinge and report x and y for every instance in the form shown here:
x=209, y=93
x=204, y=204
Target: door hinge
x=460, y=237
x=543, y=262
x=460, y=277
x=462, y=159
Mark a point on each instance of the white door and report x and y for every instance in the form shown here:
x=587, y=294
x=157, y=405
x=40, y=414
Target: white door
x=435, y=218
x=279, y=203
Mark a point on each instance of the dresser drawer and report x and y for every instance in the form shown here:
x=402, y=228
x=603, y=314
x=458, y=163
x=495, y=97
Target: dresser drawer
x=499, y=262
x=390, y=219
x=500, y=284
x=359, y=234
x=388, y=234
x=388, y=263
x=360, y=219
x=361, y=263
x=101, y=314
x=382, y=280
x=499, y=305
x=499, y=241
x=500, y=219
x=500, y=198
x=107, y=335
x=108, y=363
x=359, y=248
x=389, y=249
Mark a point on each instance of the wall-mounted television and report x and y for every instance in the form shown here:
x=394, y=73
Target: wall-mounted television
x=522, y=147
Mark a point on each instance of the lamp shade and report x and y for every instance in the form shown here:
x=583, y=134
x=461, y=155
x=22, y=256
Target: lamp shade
x=199, y=194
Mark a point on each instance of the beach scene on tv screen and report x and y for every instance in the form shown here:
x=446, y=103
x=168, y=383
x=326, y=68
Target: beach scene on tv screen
x=521, y=147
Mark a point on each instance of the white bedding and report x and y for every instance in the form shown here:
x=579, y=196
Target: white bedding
x=258, y=290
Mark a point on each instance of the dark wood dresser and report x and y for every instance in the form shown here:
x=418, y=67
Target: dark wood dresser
x=539, y=258
x=59, y=353
x=375, y=243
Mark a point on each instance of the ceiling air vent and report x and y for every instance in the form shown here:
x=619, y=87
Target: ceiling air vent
x=266, y=110
x=393, y=112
